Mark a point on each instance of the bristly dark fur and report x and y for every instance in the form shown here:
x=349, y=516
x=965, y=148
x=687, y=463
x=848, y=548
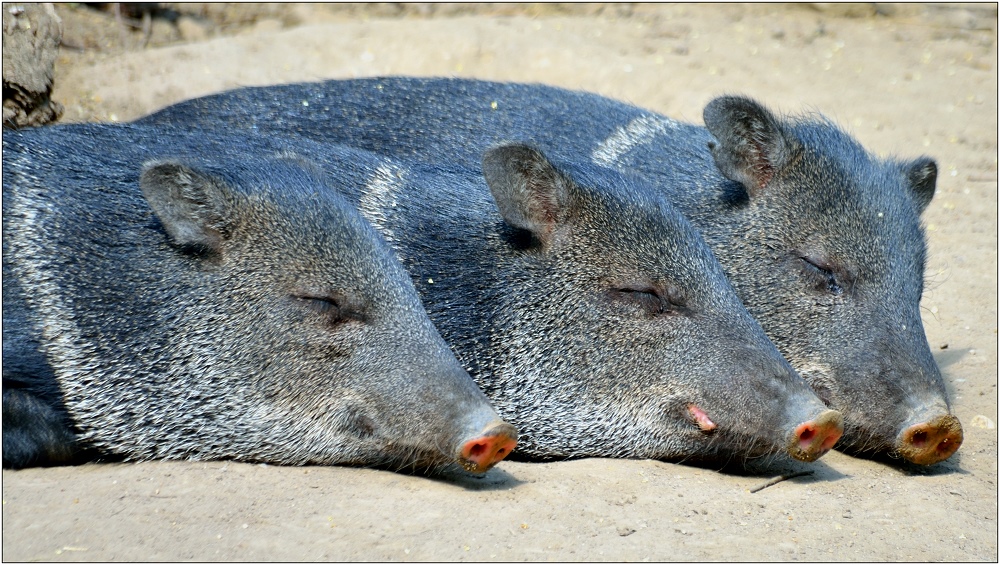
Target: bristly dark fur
x=824, y=199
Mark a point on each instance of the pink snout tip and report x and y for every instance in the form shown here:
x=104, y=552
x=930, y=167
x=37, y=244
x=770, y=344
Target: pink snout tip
x=812, y=439
x=930, y=442
x=479, y=454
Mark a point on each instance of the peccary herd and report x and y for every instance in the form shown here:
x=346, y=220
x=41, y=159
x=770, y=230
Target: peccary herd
x=414, y=273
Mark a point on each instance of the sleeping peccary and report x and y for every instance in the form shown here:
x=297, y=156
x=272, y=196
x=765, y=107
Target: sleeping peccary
x=159, y=305
x=821, y=240
x=594, y=317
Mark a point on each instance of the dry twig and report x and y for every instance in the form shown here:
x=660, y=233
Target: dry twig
x=778, y=479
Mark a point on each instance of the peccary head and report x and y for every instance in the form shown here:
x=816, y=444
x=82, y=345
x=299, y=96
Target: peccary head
x=338, y=359
x=617, y=334
x=831, y=256
x=253, y=315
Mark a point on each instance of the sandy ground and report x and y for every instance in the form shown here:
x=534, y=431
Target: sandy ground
x=908, y=81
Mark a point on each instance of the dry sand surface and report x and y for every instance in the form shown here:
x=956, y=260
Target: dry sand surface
x=907, y=81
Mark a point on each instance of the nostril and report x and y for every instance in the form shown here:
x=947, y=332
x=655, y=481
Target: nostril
x=919, y=439
x=831, y=440
x=477, y=450
x=945, y=445
x=807, y=434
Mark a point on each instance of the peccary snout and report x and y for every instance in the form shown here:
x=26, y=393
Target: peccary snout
x=931, y=441
x=495, y=442
x=812, y=439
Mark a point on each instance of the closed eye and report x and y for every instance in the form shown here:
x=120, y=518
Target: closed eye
x=822, y=275
x=335, y=310
x=649, y=300
x=320, y=305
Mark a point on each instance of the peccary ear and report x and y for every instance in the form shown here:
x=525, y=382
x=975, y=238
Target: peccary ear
x=195, y=208
x=922, y=175
x=751, y=146
x=530, y=193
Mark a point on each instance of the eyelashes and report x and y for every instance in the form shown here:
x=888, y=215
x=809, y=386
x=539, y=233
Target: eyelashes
x=336, y=310
x=650, y=301
x=824, y=277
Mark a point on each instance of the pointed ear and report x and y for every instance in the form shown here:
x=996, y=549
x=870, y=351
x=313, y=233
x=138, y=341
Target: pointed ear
x=195, y=208
x=922, y=175
x=530, y=193
x=751, y=145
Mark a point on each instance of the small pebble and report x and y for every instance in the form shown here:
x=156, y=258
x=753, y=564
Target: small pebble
x=981, y=421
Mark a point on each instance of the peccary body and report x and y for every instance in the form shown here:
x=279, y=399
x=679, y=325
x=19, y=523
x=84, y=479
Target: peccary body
x=158, y=304
x=595, y=318
x=821, y=240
